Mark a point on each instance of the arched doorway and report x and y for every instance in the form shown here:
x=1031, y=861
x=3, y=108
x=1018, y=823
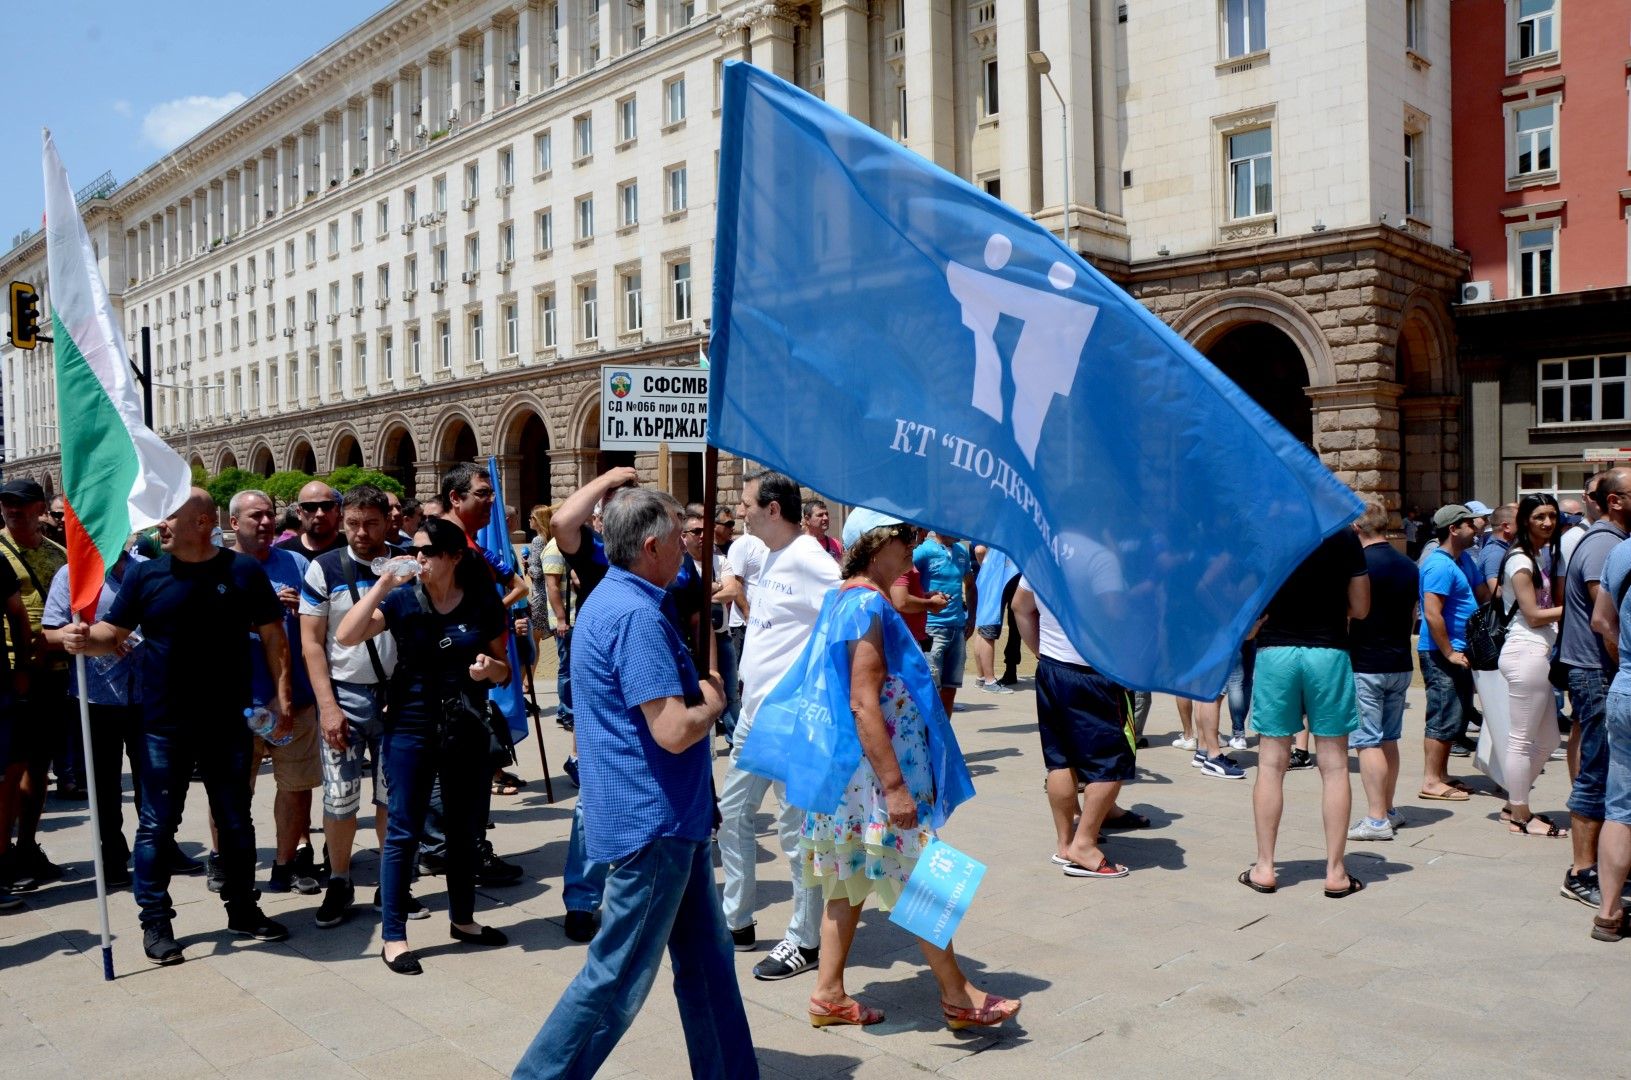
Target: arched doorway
x=527, y=444
x=302, y=458
x=399, y=457
x=347, y=451
x=260, y=462
x=1267, y=364
x=589, y=439
x=226, y=460
x=1429, y=410
x=458, y=443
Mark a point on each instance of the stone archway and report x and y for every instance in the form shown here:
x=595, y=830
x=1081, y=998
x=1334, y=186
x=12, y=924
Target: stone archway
x=1208, y=319
x=346, y=449
x=1430, y=408
x=398, y=457
x=1264, y=362
x=524, y=447
x=260, y=460
x=592, y=460
x=301, y=457
x=225, y=460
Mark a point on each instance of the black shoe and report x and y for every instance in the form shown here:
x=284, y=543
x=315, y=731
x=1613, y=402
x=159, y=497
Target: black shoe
x=1008, y=679
x=215, y=878
x=580, y=925
x=566, y=722
x=415, y=910
x=181, y=863
x=13, y=877
x=432, y=865
x=744, y=940
x=248, y=919
x=286, y=878
x=1141, y=744
x=116, y=875
x=570, y=768
x=1300, y=759
x=32, y=862
x=487, y=935
x=494, y=870
x=405, y=964
x=336, y=903
x=159, y=943
x=785, y=961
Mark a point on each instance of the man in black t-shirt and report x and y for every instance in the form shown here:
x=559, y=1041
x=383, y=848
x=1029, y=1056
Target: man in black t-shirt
x=1303, y=668
x=1379, y=646
x=319, y=507
x=196, y=605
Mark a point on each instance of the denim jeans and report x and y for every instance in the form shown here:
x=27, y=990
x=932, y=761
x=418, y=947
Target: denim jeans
x=414, y=758
x=1239, y=687
x=739, y=802
x=1449, y=696
x=563, y=680
x=115, y=732
x=583, y=883
x=220, y=745
x=726, y=650
x=660, y=897
x=1589, y=692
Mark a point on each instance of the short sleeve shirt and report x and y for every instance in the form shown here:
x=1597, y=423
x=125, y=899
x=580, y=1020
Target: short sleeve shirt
x=1579, y=646
x=588, y=562
x=1490, y=556
x=283, y=568
x=1442, y=576
x=1379, y=644
x=1518, y=628
x=37, y=564
x=624, y=654
x=1311, y=609
x=1615, y=570
x=325, y=594
x=195, y=620
x=297, y=544
x=943, y=570
x=435, y=649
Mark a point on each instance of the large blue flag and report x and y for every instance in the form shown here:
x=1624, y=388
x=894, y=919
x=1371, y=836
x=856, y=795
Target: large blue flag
x=494, y=538
x=897, y=339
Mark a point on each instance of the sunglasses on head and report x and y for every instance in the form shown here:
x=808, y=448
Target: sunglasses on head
x=316, y=507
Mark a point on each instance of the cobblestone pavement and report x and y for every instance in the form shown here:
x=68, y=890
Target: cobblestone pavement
x=1461, y=959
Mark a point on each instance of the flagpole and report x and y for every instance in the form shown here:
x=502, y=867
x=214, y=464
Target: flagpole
x=96, y=816
x=538, y=730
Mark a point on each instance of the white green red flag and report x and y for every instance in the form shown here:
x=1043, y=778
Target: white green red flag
x=117, y=475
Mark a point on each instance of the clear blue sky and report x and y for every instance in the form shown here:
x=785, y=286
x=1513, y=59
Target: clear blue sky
x=121, y=84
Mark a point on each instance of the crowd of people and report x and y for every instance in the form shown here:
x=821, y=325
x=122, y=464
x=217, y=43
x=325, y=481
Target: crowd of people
x=360, y=645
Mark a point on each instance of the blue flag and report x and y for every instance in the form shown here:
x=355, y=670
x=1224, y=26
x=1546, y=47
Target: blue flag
x=897, y=339
x=494, y=538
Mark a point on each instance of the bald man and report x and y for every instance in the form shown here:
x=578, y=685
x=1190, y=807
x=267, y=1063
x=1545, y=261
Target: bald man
x=319, y=507
x=197, y=606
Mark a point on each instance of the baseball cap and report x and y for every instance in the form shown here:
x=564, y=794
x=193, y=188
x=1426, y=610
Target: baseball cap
x=1478, y=509
x=1453, y=514
x=862, y=521
x=22, y=491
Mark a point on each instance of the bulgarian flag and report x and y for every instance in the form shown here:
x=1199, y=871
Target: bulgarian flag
x=117, y=476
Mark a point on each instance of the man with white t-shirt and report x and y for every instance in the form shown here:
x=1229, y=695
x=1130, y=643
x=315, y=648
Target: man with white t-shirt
x=787, y=575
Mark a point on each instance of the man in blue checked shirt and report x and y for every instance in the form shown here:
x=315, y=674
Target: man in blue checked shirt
x=643, y=721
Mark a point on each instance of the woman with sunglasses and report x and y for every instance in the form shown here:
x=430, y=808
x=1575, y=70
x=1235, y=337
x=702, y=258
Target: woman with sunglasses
x=1531, y=589
x=449, y=631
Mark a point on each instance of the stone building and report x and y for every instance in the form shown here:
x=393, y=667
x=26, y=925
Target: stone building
x=438, y=207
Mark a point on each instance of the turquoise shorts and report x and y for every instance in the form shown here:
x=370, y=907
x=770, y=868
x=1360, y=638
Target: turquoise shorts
x=1293, y=681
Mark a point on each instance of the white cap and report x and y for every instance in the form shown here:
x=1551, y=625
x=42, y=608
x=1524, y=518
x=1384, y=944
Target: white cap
x=862, y=521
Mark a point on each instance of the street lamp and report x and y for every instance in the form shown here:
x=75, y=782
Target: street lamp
x=1043, y=67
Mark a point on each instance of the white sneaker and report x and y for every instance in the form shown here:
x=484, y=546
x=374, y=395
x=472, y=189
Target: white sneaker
x=1237, y=742
x=1183, y=743
x=1364, y=830
x=993, y=687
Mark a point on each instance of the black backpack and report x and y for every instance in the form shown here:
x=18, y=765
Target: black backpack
x=1486, y=628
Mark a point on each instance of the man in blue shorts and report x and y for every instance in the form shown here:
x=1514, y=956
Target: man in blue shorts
x=1303, y=669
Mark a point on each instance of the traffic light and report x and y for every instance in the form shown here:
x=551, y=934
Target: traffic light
x=25, y=315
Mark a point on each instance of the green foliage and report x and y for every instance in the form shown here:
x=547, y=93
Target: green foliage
x=227, y=483
x=199, y=475
x=285, y=486
x=349, y=476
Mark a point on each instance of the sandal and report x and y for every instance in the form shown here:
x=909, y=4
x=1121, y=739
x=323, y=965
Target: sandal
x=504, y=787
x=1454, y=794
x=825, y=1014
x=1245, y=879
x=1552, y=830
x=509, y=778
x=1607, y=929
x=1354, y=885
x=1127, y=819
x=1105, y=869
x=993, y=1012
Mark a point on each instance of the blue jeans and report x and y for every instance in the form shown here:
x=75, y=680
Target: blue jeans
x=220, y=745
x=414, y=758
x=1381, y=708
x=725, y=649
x=660, y=897
x=1589, y=691
x=563, y=681
x=1449, y=696
x=1239, y=687
x=583, y=883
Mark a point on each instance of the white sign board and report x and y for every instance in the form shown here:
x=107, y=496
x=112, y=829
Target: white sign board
x=644, y=406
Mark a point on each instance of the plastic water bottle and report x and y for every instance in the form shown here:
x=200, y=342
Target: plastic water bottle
x=261, y=721
x=399, y=565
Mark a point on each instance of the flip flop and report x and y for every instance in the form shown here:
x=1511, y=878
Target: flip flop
x=1059, y=860
x=1354, y=885
x=1453, y=795
x=1245, y=879
x=1105, y=869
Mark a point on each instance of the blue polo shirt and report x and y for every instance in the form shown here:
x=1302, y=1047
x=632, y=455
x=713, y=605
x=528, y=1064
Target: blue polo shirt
x=624, y=654
x=1452, y=580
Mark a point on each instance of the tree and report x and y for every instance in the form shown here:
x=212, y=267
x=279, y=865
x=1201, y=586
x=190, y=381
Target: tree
x=199, y=475
x=347, y=477
x=285, y=486
x=228, y=482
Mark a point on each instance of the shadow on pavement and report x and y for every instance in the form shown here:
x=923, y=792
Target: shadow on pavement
x=785, y=1062
x=1369, y=866
x=1140, y=851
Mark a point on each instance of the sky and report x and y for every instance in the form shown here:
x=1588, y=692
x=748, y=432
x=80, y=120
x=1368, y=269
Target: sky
x=120, y=84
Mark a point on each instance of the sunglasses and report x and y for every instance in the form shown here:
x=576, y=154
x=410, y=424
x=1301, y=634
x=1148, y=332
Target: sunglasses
x=695, y=532
x=318, y=507
x=58, y=514
x=727, y=524
x=427, y=550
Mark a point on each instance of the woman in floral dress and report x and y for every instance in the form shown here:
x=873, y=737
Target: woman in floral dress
x=909, y=776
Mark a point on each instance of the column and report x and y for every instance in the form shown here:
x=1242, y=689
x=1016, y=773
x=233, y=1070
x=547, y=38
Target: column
x=929, y=116
x=455, y=85
x=379, y=106
x=401, y=112
x=212, y=213
x=427, y=96
x=496, y=68
x=348, y=141
x=1018, y=88
x=607, y=34
x=770, y=41
x=843, y=29
x=566, y=14
x=1066, y=31
x=526, y=29
x=327, y=165
x=282, y=181
x=1430, y=438
x=1356, y=433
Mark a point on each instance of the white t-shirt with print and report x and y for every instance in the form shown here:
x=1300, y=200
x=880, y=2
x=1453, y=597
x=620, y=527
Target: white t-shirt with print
x=785, y=592
x=1519, y=628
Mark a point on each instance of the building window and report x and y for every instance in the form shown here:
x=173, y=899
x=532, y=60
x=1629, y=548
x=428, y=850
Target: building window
x=506, y=168
x=543, y=156
x=588, y=321
x=410, y=205
x=1243, y=27
x=583, y=136
x=633, y=317
x=1583, y=390
x=478, y=338
x=444, y=345
x=1561, y=480
x=1532, y=138
x=414, y=363
x=333, y=238
x=336, y=372
x=438, y=256
x=410, y=273
x=472, y=253
x=546, y=320
x=334, y=298
x=679, y=277
x=586, y=218
x=993, y=187
x=472, y=181
x=506, y=242
x=438, y=194
x=288, y=262
x=674, y=182
x=1412, y=25
x=1536, y=28
x=294, y=380
x=359, y=363
x=545, y=230
x=387, y=359
x=356, y=291
x=900, y=113
x=356, y=228
x=512, y=328
x=674, y=100
x=1251, y=169
x=627, y=121
x=990, y=70
x=628, y=204
x=382, y=282
x=1410, y=177
x=1537, y=265
x=382, y=217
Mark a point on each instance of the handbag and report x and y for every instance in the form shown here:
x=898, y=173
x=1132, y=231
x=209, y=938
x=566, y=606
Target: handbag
x=1486, y=630
x=469, y=723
